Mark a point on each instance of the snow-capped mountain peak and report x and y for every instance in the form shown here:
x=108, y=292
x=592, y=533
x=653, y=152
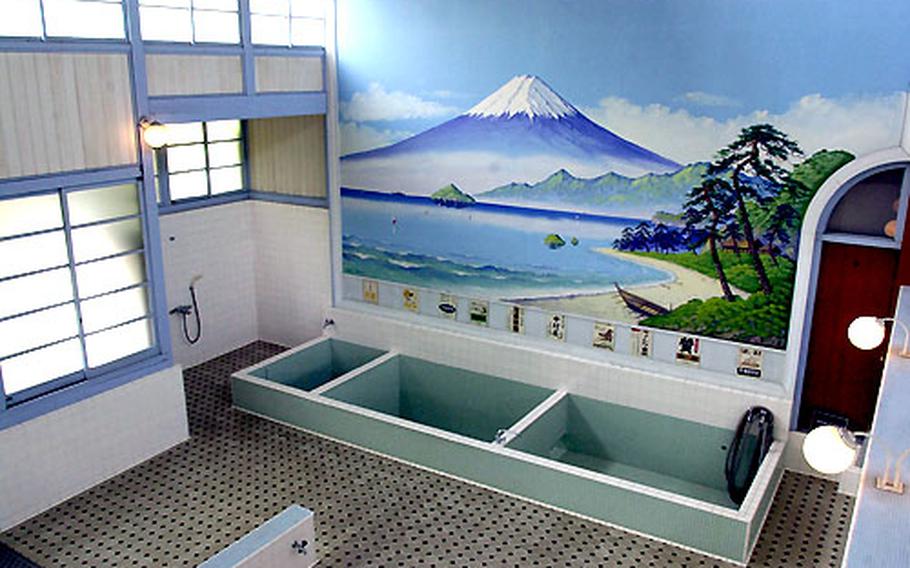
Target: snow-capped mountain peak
x=524, y=94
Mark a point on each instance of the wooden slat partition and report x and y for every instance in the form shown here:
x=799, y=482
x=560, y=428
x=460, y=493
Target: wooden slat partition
x=288, y=74
x=64, y=111
x=175, y=75
x=287, y=155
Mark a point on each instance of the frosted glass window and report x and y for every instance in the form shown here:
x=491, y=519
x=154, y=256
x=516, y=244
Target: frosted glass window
x=28, y=254
x=112, y=309
x=223, y=130
x=40, y=256
x=37, y=329
x=102, y=276
x=187, y=21
x=192, y=184
x=307, y=31
x=270, y=7
x=107, y=346
x=105, y=240
x=28, y=293
x=226, y=179
x=270, y=30
x=36, y=367
x=30, y=214
x=105, y=203
x=308, y=9
x=102, y=19
x=185, y=133
x=224, y=154
x=20, y=18
x=96, y=19
x=288, y=22
x=185, y=158
x=205, y=159
x=216, y=27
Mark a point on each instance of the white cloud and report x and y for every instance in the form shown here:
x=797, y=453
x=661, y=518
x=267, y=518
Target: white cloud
x=360, y=137
x=702, y=98
x=378, y=104
x=859, y=124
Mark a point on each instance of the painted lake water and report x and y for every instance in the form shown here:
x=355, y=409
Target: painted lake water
x=483, y=249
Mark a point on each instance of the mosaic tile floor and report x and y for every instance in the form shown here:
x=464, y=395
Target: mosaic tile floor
x=184, y=505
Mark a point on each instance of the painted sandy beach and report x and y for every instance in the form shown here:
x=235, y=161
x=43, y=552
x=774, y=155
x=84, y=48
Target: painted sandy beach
x=685, y=285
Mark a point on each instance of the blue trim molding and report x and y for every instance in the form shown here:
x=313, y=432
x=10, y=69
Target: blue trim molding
x=223, y=107
x=302, y=200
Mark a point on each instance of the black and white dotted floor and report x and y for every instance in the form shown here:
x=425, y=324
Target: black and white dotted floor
x=237, y=471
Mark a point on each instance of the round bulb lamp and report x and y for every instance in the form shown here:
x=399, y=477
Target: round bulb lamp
x=829, y=449
x=866, y=332
x=154, y=134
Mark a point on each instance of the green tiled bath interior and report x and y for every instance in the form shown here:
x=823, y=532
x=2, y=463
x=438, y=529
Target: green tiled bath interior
x=451, y=399
x=318, y=364
x=634, y=445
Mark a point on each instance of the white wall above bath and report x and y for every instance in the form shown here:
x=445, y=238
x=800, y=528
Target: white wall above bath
x=265, y=274
x=292, y=271
x=217, y=243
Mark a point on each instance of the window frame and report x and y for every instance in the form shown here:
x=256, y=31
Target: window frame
x=108, y=370
x=162, y=171
x=290, y=29
x=192, y=41
x=43, y=37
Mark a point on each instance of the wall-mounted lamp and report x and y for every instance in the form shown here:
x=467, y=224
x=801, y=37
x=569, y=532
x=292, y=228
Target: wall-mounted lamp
x=892, y=482
x=154, y=134
x=831, y=449
x=868, y=332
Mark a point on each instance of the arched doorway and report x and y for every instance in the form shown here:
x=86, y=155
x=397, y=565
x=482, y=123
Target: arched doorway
x=848, y=266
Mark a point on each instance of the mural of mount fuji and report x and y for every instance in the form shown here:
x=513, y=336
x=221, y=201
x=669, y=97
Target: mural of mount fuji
x=522, y=132
x=595, y=163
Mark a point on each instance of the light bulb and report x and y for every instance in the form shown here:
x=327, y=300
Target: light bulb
x=866, y=332
x=829, y=449
x=154, y=134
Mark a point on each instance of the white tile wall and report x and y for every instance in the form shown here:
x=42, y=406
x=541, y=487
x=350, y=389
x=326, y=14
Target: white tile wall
x=216, y=242
x=60, y=454
x=292, y=271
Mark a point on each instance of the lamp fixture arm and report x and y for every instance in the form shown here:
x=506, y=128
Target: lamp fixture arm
x=905, y=350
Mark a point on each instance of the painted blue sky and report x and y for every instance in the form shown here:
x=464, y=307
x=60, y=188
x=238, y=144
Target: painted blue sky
x=712, y=59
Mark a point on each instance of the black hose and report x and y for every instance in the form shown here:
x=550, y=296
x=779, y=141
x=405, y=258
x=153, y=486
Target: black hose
x=186, y=331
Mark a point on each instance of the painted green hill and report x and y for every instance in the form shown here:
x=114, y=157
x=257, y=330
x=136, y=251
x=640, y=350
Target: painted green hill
x=607, y=193
x=554, y=241
x=452, y=194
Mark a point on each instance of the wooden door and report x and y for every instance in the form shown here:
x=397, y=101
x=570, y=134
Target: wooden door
x=852, y=281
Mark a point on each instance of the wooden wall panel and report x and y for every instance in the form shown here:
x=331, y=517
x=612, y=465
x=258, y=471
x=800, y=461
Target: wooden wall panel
x=64, y=111
x=287, y=155
x=172, y=75
x=275, y=74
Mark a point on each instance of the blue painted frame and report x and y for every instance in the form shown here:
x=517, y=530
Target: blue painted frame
x=248, y=105
x=196, y=108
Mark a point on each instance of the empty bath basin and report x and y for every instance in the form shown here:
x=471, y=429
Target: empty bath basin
x=455, y=400
x=315, y=363
x=682, y=457
x=651, y=473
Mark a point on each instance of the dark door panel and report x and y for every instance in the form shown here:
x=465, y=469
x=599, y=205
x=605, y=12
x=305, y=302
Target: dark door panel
x=852, y=281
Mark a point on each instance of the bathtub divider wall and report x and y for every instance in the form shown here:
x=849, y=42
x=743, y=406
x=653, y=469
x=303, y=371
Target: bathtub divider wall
x=447, y=419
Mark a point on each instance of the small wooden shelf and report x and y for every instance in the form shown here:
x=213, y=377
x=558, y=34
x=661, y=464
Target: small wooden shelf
x=861, y=240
